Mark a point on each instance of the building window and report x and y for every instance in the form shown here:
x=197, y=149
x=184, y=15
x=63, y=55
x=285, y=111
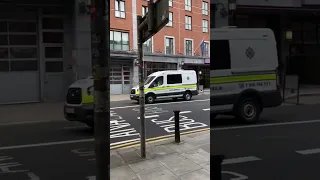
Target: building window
x=170, y=3
x=170, y=19
x=174, y=79
x=205, y=8
x=205, y=27
x=119, y=40
x=144, y=10
x=19, y=46
x=220, y=55
x=188, y=22
x=115, y=74
x=120, y=9
x=169, y=45
x=187, y=5
x=151, y=67
x=188, y=47
x=147, y=46
x=205, y=49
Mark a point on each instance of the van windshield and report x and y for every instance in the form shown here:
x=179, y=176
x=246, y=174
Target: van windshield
x=148, y=80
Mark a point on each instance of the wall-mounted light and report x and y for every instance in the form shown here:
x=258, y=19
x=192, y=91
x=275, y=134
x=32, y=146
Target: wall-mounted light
x=181, y=63
x=288, y=35
x=200, y=72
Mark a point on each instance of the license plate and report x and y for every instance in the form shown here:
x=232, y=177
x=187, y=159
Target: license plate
x=70, y=110
x=131, y=96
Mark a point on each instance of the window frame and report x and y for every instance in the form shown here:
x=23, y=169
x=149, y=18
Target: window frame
x=187, y=6
x=205, y=11
x=118, y=2
x=185, y=47
x=208, y=42
x=112, y=45
x=144, y=10
x=152, y=45
x=205, y=29
x=187, y=25
x=170, y=21
x=174, y=46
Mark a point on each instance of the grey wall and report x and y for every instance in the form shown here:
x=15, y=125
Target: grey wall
x=82, y=42
x=276, y=3
x=310, y=2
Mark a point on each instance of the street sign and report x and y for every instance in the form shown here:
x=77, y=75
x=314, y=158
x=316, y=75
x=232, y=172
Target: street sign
x=160, y=18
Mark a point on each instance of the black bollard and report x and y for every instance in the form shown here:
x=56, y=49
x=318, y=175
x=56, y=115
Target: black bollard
x=215, y=167
x=176, y=126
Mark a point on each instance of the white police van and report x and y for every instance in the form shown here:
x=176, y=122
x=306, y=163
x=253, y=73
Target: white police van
x=243, y=72
x=168, y=84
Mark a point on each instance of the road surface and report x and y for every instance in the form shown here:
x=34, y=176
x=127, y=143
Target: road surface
x=285, y=145
x=64, y=150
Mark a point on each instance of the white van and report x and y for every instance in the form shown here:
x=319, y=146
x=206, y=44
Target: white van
x=168, y=84
x=243, y=72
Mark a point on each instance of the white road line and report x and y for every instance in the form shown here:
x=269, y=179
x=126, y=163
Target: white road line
x=75, y=127
x=240, y=160
x=152, y=116
x=206, y=109
x=60, y=143
x=46, y=144
x=309, y=151
x=237, y=175
x=185, y=112
x=266, y=125
x=159, y=104
x=32, y=176
x=29, y=122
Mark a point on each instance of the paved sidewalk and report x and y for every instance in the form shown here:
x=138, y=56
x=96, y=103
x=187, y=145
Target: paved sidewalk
x=166, y=160
x=308, y=95
x=32, y=112
x=305, y=90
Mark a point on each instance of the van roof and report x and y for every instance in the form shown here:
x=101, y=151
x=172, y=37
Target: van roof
x=170, y=71
x=241, y=33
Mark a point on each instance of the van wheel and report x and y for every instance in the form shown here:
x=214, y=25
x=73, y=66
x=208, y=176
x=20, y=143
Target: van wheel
x=150, y=98
x=187, y=96
x=248, y=110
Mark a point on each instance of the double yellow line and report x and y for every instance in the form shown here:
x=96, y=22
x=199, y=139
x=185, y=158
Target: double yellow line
x=155, y=139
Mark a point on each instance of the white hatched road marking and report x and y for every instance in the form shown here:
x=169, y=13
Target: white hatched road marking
x=159, y=104
x=240, y=160
x=309, y=151
x=152, y=116
x=208, y=109
x=185, y=112
x=237, y=175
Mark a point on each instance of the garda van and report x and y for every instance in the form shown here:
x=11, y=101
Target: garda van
x=168, y=84
x=79, y=102
x=243, y=72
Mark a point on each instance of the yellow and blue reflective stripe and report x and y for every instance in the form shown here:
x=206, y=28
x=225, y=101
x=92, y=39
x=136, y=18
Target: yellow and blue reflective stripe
x=243, y=78
x=168, y=88
x=86, y=98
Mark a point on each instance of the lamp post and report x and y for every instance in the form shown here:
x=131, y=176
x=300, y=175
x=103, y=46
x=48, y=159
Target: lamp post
x=232, y=6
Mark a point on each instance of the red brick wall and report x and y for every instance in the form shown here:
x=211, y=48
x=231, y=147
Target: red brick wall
x=124, y=25
x=177, y=30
